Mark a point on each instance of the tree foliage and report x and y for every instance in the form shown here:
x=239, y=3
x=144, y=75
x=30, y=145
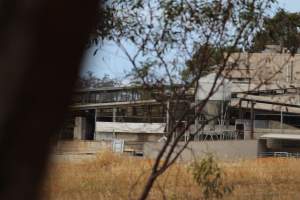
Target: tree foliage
x=209, y=56
x=90, y=80
x=165, y=39
x=281, y=29
x=167, y=34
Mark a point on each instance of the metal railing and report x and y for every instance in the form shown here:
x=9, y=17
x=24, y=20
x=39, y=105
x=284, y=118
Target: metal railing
x=278, y=154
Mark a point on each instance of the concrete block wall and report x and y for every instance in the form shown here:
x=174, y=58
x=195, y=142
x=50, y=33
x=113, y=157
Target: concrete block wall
x=81, y=147
x=80, y=128
x=141, y=137
x=223, y=150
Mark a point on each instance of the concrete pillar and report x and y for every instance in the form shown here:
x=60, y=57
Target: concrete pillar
x=95, y=131
x=114, y=114
x=252, y=120
x=261, y=146
x=168, y=117
x=80, y=128
x=247, y=130
x=149, y=113
x=281, y=120
x=240, y=110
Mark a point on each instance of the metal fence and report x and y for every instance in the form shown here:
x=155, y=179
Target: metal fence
x=278, y=154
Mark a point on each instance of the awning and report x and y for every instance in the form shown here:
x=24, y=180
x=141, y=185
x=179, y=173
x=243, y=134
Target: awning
x=120, y=127
x=281, y=136
x=112, y=104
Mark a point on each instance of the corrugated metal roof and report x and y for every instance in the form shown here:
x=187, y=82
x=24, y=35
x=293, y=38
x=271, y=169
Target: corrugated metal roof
x=280, y=136
x=270, y=106
x=111, y=104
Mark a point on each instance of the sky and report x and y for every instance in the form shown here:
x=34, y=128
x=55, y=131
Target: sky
x=111, y=61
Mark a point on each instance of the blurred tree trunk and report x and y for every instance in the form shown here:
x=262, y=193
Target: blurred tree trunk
x=42, y=42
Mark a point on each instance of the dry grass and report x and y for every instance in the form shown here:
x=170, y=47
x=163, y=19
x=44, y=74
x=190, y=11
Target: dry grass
x=116, y=177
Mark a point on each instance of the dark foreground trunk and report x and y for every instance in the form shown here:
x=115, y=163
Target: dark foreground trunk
x=41, y=47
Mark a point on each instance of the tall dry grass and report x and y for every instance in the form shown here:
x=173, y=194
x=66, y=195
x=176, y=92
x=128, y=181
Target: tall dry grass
x=116, y=177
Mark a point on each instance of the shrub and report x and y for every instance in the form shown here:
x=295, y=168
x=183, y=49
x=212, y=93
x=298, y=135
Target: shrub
x=210, y=177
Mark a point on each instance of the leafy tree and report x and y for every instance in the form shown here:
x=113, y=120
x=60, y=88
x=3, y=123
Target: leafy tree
x=165, y=39
x=89, y=80
x=281, y=29
x=209, y=56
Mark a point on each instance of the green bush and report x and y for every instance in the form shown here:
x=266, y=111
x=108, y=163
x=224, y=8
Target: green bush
x=210, y=177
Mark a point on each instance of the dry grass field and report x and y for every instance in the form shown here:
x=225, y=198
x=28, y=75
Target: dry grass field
x=116, y=177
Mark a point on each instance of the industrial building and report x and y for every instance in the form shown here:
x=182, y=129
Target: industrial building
x=259, y=94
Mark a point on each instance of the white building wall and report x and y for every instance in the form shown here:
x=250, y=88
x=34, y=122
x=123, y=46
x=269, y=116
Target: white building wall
x=222, y=88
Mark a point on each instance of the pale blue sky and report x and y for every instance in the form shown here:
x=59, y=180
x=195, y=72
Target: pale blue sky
x=110, y=59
